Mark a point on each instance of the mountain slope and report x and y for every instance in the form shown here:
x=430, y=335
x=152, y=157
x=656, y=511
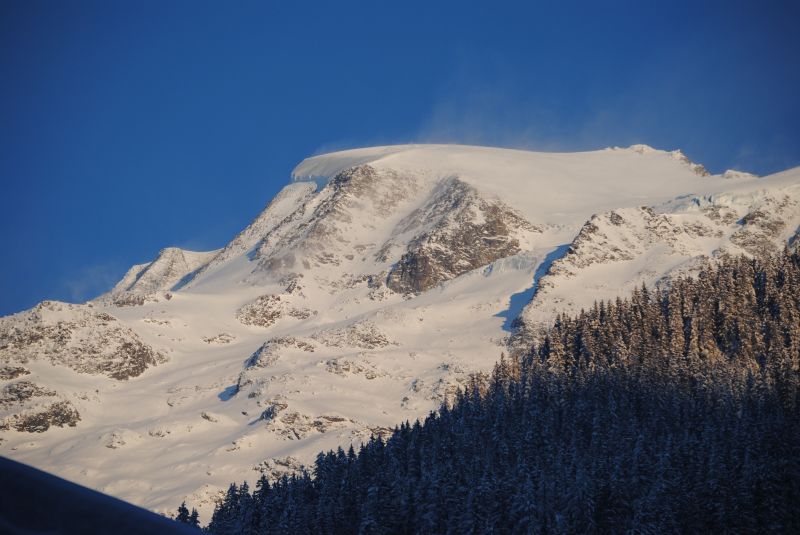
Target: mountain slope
x=619, y=250
x=669, y=411
x=363, y=295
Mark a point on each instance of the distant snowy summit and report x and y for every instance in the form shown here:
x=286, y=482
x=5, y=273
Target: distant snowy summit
x=548, y=187
x=538, y=183
x=364, y=294
x=738, y=175
x=465, y=158
x=165, y=272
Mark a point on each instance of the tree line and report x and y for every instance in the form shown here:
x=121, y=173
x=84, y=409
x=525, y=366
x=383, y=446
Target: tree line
x=672, y=411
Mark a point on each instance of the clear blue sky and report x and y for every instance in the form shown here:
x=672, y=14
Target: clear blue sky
x=129, y=126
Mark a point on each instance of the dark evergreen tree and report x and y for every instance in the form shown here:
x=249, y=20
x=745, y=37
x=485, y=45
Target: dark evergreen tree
x=183, y=514
x=194, y=519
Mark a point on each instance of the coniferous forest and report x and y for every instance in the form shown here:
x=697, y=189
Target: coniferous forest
x=670, y=411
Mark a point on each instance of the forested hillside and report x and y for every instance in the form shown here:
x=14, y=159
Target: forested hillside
x=669, y=411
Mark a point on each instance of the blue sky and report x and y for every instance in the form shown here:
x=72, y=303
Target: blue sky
x=126, y=127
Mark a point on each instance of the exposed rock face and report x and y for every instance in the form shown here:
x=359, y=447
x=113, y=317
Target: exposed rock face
x=696, y=168
x=625, y=234
x=345, y=366
x=131, y=299
x=268, y=309
x=466, y=232
x=363, y=334
x=763, y=227
x=58, y=414
x=269, y=353
x=12, y=372
x=322, y=230
x=22, y=391
x=618, y=250
x=274, y=469
x=28, y=407
x=78, y=337
x=120, y=437
x=291, y=284
x=258, y=372
x=294, y=425
x=219, y=339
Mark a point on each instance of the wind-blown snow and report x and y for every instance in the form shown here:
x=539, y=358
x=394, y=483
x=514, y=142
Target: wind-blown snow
x=554, y=187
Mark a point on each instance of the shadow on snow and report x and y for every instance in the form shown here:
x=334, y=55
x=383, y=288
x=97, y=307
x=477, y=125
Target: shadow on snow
x=518, y=300
x=228, y=393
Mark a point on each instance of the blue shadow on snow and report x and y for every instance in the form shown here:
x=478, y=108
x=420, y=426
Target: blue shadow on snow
x=518, y=300
x=228, y=393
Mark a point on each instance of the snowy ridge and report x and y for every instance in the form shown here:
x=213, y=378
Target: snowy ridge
x=554, y=187
x=279, y=208
x=363, y=295
x=169, y=268
x=617, y=251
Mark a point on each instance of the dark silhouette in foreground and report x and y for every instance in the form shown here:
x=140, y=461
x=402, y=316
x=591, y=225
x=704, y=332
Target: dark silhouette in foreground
x=34, y=502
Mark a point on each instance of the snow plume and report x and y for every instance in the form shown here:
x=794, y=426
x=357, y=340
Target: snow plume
x=91, y=280
x=486, y=116
x=470, y=111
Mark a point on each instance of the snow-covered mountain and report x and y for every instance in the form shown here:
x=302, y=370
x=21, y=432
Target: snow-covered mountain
x=363, y=295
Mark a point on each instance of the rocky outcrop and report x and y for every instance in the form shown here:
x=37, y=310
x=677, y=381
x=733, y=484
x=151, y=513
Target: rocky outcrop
x=362, y=334
x=28, y=407
x=21, y=391
x=12, y=372
x=268, y=309
x=344, y=366
x=618, y=250
x=467, y=232
x=57, y=414
x=78, y=337
x=269, y=352
x=219, y=339
x=119, y=438
x=257, y=373
x=294, y=425
x=625, y=234
x=321, y=231
x=274, y=469
x=696, y=168
x=763, y=227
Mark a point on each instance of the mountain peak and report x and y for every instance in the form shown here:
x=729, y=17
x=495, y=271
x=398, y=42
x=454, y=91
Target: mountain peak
x=557, y=186
x=364, y=294
x=167, y=270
